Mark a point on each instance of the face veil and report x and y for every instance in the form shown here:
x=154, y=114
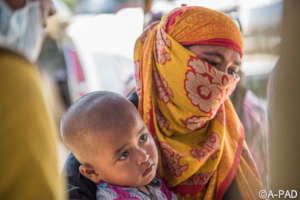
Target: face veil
x=184, y=102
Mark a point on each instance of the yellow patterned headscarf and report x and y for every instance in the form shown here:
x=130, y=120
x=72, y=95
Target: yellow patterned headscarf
x=184, y=102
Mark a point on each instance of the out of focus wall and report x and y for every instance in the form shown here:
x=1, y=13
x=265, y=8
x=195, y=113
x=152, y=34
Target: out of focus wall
x=284, y=109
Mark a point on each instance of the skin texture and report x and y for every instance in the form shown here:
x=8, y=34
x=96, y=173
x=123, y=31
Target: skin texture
x=46, y=7
x=222, y=58
x=108, y=137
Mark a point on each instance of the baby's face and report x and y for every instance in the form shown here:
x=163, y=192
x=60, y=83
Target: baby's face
x=127, y=155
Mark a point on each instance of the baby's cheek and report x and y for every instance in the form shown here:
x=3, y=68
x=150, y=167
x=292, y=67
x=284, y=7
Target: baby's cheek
x=126, y=175
x=153, y=152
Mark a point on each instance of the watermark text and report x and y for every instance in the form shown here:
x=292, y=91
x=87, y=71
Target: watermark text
x=280, y=194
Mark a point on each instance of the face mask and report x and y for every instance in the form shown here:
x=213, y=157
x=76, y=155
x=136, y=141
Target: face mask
x=21, y=30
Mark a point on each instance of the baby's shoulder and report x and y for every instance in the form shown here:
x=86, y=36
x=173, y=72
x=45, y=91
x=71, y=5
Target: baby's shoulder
x=111, y=192
x=104, y=191
x=159, y=189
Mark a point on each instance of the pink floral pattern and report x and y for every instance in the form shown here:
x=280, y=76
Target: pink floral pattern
x=214, y=155
x=194, y=122
x=164, y=92
x=162, y=41
x=198, y=179
x=170, y=159
x=220, y=116
x=137, y=76
x=162, y=122
x=207, y=87
x=147, y=30
x=209, y=146
x=172, y=17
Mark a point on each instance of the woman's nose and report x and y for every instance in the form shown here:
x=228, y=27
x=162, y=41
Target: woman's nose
x=223, y=67
x=142, y=156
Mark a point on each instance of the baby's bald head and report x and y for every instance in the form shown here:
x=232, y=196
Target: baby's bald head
x=91, y=116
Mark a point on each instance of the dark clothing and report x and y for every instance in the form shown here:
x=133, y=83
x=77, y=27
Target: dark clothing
x=133, y=97
x=79, y=187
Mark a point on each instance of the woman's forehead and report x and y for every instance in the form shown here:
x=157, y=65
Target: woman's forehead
x=219, y=51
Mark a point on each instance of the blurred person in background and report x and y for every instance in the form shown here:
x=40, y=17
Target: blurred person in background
x=252, y=114
x=52, y=65
x=29, y=167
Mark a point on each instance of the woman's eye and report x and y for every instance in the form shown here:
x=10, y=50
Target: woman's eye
x=232, y=71
x=143, y=138
x=212, y=63
x=124, y=155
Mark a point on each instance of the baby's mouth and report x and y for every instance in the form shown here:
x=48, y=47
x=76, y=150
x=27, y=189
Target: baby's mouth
x=148, y=170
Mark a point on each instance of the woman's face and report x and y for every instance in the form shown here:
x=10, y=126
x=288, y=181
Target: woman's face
x=222, y=58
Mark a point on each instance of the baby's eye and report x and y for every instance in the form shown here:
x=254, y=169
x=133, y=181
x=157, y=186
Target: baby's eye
x=124, y=155
x=143, y=138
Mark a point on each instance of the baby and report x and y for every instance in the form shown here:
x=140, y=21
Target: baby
x=116, y=151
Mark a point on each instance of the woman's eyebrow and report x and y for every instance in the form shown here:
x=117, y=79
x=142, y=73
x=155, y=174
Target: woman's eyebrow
x=215, y=53
x=221, y=56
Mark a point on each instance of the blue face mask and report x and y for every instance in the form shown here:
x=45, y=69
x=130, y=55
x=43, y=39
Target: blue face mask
x=21, y=30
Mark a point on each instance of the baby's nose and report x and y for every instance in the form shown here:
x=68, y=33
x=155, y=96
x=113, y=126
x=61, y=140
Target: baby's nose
x=142, y=156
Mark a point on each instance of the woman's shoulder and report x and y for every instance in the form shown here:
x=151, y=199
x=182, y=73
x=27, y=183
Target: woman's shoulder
x=133, y=98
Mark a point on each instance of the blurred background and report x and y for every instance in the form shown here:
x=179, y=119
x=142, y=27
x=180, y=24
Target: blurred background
x=89, y=46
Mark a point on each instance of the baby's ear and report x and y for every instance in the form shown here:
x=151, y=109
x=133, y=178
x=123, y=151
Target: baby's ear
x=89, y=172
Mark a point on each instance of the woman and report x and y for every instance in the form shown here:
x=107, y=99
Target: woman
x=186, y=68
